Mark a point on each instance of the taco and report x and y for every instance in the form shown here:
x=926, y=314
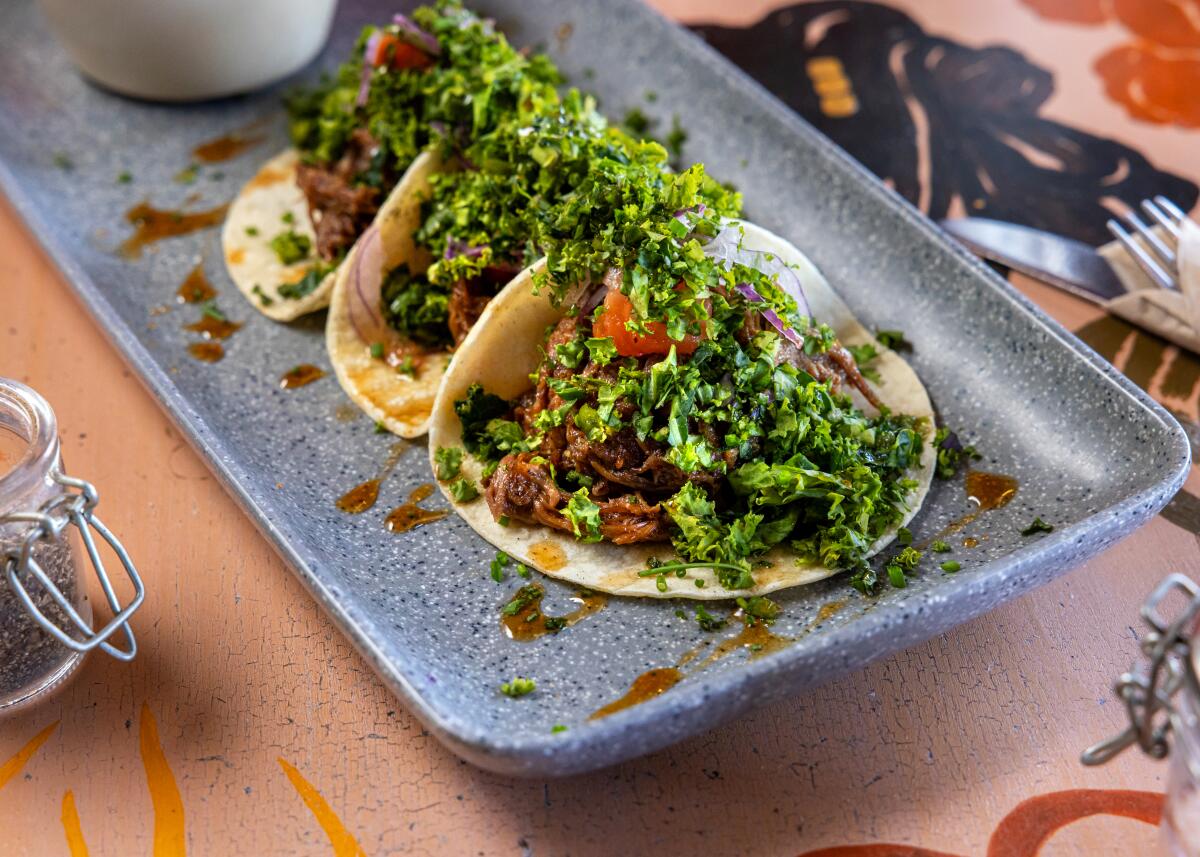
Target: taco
x=694, y=424
x=433, y=81
x=452, y=234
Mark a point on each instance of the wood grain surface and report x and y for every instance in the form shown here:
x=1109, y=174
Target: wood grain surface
x=247, y=725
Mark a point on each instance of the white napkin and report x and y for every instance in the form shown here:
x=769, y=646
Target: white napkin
x=1174, y=315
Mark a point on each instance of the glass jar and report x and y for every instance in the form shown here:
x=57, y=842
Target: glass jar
x=1164, y=699
x=46, y=524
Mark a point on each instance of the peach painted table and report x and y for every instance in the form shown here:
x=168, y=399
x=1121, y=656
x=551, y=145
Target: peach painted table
x=248, y=725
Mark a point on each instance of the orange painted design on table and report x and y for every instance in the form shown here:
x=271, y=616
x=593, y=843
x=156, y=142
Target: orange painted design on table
x=1029, y=826
x=1024, y=831
x=13, y=766
x=344, y=843
x=71, y=827
x=1155, y=75
x=881, y=850
x=169, y=835
x=1070, y=11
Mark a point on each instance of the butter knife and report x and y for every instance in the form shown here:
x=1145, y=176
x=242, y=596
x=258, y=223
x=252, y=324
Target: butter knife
x=1065, y=263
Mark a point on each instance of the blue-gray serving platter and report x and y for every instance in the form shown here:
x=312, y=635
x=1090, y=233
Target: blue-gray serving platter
x=1092, y=454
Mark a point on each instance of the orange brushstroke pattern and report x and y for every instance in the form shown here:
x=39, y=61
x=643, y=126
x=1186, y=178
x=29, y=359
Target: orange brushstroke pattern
x=14, y=765
x=71, y=827
x=344, y=843
x=169, y=838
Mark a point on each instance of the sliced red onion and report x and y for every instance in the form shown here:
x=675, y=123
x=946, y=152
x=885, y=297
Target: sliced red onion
x=364, y=84
x=456, y=247
x=726, y=246
x=415, y=36
x=591, y=297
x=698, y=208
x=366, y=289
x=747, y=291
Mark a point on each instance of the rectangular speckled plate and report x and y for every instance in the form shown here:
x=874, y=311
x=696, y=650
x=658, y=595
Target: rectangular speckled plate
x=1092, y=454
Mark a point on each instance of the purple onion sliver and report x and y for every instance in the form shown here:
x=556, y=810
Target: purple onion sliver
x=363, y=304
x=364, y=85
x=747, y=291
x=416, y=36
x=779, y=324
x=951, y=441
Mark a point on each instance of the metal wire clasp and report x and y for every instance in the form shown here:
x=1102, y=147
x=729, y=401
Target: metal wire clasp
x=48, y=523
x=1147, y=697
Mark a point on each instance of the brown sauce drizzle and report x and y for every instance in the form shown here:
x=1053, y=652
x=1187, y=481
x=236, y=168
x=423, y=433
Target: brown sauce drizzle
x=207, y=352
x=970, y=542
x=360, y=498
x=196, y=288
x=987, y=491
x=154, y=224
x=648, y=685
x=225, y=148
x=990, y=490
x=301, y=376
x=410, y=515
x=214, y=328
x=346, y=413
x=363, y=496
x=756, y=637
x=547, y=555
x=828, y=611
x=529, y=622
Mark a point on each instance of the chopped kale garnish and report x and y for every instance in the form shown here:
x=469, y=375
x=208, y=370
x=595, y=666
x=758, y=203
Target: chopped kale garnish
x=584, y=516
x=463, y=490
x=484, y=433
x=950, y=566
x=709, y=622
x=291, y=247
x=518, y=687
x=865, y=580
x=525, y=596
x=893, y=339
x=188, y=174
x=636, y=122
x=307, y=284
x=447, y=462
x=940, y=546
x=415, y=308
x=496, y=567
x=759, y=607
x=124, y=177
x=1038, y=526
x=951, y=453
x=863, y=355
x=263, y=297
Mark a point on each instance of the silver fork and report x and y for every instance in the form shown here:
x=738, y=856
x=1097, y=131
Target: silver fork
x=1161, y=264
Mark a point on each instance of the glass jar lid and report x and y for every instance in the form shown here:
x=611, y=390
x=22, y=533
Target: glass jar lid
x=1150, y=692
x=62, y=502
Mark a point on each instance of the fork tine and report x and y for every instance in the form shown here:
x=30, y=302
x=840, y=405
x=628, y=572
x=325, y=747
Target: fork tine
x=1170, y=207
x=1165, y=254
x=1140, y=256
x=1162, y=217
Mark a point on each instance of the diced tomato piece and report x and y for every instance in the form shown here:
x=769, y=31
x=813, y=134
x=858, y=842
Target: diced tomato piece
x=617, y=311
x=403, y=55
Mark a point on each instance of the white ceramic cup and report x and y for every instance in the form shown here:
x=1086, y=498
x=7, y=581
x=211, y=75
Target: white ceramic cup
x=184, y=50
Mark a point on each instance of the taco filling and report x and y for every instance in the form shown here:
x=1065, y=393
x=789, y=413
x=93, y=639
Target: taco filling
x=436, y=80
x=685, y=398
